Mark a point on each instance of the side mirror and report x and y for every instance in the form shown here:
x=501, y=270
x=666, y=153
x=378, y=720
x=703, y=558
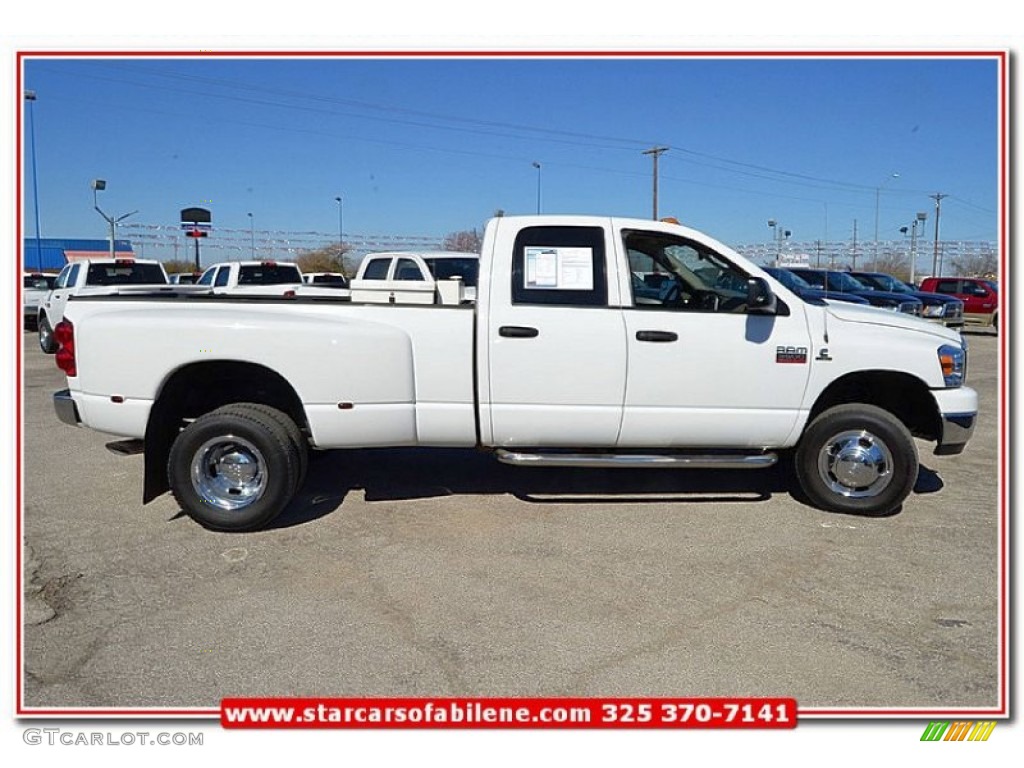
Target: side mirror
x=760, y=299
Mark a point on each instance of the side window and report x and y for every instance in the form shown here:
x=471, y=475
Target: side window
x=62, y=278
x=222, y=277
x=561, y=266
x=669, y=272
x=377, y=269
x=73, y=275
x=407, y=269
x=948, y=286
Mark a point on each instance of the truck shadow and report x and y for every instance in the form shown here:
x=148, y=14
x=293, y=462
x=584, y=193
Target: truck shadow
x=403, y=474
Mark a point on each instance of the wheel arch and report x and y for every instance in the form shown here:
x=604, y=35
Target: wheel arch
x=199, y=388
x=902, y=394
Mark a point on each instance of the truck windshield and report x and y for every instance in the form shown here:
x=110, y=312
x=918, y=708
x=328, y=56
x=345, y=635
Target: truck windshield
x=268, y=274
x=125, y=274
x=884, y=283
x=844, y=283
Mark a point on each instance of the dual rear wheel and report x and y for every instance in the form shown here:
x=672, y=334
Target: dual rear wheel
x=238, y=467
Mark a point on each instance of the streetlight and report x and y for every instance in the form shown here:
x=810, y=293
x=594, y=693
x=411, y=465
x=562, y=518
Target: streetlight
x=537, y=166
x=919, y=219
x=878, y=195
x=30, y=97
x=778, y=235
x=341, y=231
x=98, y=185
x=252, y=235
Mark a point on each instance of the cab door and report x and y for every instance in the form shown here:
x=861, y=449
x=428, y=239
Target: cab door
x=703, y=370
x=555, y=349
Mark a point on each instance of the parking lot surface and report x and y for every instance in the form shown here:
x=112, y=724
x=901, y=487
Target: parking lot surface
x=442, y=572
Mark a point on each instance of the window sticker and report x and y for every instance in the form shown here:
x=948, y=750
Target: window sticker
x=559, y=268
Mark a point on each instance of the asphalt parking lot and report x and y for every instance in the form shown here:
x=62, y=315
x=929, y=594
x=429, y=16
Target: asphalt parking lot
x=415, y=572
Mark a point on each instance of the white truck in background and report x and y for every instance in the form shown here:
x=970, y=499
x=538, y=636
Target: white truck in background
x=566, y=358
x=94, y=277
x=406, y=277
x=267, y=278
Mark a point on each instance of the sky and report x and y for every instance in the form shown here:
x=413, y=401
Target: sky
x=430, y=145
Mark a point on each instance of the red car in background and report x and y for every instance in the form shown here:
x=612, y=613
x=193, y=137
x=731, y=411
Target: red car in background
x=980, y=297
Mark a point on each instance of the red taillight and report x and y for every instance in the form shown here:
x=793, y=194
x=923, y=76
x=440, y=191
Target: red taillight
x=64, y=335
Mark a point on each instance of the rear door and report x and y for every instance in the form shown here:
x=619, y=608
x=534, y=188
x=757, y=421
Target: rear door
x=556, y=348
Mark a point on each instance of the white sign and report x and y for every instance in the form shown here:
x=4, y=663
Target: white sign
x=559, y=268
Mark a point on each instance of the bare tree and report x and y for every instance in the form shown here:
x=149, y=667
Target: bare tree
x=893, y=263
x=466, y=241
x=978, y=264
x=325, y=259
x=174, y=266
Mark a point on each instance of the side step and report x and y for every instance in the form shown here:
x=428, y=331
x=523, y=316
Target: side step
x=126, y=447
x=639, y=461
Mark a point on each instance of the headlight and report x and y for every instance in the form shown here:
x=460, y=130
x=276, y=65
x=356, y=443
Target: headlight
x=935, y=310
x=954, y=362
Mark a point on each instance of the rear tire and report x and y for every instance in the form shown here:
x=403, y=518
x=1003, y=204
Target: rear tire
x=295, y=435
x=234, y=469
x=858, y=459
x=46, y=341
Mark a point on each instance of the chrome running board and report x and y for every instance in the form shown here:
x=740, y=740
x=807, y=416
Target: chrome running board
x=638, y=461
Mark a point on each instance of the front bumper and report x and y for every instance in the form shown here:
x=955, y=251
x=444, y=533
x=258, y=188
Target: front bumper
x=66, y=409
x=958, y=412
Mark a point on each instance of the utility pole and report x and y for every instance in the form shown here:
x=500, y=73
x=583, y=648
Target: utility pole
x=854, y=243
x=937, y=197
x=655, y=152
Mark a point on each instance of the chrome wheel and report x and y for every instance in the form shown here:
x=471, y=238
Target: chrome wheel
x=856, y=464
x=229, y=472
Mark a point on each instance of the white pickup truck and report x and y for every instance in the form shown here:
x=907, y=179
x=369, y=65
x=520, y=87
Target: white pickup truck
x=251, y=277
x=567, y=358
x=94, y=277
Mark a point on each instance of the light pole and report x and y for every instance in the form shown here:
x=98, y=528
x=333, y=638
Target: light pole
x=341, y=230
x=537, y=166
x=878, y=195
x=30, y=97
x=252, y=236
x=919, y=219
x=98, y=185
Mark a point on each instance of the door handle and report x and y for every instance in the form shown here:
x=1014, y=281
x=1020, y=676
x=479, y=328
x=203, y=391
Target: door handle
x=661, y=336
x=517, y=332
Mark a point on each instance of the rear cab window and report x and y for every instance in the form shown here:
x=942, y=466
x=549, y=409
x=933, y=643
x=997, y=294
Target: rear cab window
x=126, y=273
x=268, y=274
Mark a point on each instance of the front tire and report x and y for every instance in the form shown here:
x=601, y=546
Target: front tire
x=857, y=459
x=233, y=470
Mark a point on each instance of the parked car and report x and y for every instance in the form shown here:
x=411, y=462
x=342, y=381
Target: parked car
x=408, y=277
x=93, y=277
x=33, y=292
x=557, y=364
x=938, y=307
x=267, y=278
x=980, y=297
x=808, y=292
x=843, y=282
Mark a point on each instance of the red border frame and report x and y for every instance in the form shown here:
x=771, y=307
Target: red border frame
x=1002, y=710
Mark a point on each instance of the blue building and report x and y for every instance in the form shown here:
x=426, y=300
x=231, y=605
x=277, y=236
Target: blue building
x=50, y=254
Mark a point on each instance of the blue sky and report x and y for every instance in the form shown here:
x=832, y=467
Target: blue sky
x=430, y=146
